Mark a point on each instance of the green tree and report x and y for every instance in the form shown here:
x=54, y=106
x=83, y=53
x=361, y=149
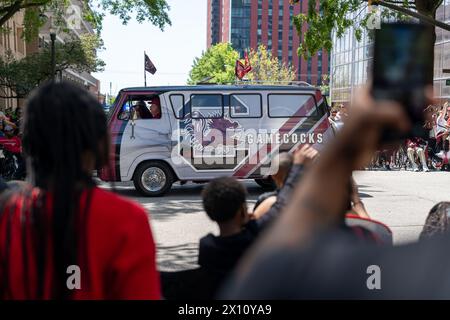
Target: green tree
x=154, y=11
x=22, y=76
x=267, y=69
x=216, y=65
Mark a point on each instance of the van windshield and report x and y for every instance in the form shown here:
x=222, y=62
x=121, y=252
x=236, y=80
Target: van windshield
x=112, y=107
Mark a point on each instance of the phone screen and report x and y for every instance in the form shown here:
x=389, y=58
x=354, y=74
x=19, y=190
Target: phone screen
x=402, y=56
x=403, y=66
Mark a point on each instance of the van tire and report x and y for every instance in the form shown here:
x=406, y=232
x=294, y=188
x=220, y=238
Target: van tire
x=161, y=171
x=267, y=184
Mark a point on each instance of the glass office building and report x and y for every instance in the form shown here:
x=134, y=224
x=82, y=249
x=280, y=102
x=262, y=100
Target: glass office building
x=351, y=60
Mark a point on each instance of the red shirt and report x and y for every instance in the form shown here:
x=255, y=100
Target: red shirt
x=13, y=144
x=120, y=257
x=415, y=142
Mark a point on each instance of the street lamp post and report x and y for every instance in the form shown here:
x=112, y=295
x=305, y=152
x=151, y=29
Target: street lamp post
x=53, y=53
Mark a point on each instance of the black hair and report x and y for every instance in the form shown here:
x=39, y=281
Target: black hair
x=63, y=124
x=144, y=112
x=223, y=198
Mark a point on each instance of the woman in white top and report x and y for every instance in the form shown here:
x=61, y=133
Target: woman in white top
x=441, y=121
x=441, y=130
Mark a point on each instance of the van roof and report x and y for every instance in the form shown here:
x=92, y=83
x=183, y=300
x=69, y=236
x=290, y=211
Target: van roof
x=221, y=88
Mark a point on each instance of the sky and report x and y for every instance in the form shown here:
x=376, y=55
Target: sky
x=172, y=51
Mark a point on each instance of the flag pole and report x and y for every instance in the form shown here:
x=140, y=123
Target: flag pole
x=145, y=71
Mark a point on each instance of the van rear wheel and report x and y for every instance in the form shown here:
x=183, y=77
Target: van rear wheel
x=153, y=178
x=267, y=184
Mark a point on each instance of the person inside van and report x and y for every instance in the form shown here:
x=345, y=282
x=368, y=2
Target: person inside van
x=63, y=225
x=155, y=110
x=142, y=111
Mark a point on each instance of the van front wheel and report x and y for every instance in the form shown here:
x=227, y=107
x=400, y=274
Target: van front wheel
x=153, y=179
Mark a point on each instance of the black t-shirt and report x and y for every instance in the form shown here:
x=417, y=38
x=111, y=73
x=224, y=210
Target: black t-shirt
x=221, y=254
x=335, y=267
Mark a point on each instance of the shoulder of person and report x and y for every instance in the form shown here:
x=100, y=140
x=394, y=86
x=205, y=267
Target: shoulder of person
x=14, y=192
x=118, y=206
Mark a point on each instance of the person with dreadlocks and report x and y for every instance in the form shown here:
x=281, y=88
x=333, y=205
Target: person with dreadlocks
x=63, y=219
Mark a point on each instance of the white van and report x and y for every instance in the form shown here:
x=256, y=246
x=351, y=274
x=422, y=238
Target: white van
x=161, y=135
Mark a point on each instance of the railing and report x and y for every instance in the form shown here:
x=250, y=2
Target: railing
x=262, y=82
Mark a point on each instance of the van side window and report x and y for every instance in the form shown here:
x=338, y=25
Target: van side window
x=125, y=111
x=142, y=107
x=177, y=103
x=245, y=106
x=322, y=109
x=206, y=106
x=291, y=105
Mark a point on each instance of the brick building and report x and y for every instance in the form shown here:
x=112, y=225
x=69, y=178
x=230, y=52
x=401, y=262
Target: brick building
x=248, y=23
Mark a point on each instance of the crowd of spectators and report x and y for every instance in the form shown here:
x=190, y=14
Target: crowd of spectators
x=422, y=153
x=11, y=145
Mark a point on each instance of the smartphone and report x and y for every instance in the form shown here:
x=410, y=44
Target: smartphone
x=402, y=68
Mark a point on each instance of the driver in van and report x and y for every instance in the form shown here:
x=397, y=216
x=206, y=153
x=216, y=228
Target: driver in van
x=155, y=111
x=142, y=111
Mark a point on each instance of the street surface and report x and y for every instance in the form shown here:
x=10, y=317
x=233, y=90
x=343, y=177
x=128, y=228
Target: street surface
x=400, y=199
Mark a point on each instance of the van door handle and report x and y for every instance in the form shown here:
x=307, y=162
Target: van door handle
x=132, y=130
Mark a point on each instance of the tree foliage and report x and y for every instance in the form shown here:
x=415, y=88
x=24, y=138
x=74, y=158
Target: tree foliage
x=216, y=65
x=336, y=15
x=22, y=76
x=267, y=69
x=93, y=11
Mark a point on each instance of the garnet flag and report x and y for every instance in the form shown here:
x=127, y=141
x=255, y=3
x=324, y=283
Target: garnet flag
x=149, y=66
x=242, y=69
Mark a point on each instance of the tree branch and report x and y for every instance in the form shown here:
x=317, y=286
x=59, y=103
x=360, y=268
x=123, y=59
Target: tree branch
x=424, y=18
x=9, y=11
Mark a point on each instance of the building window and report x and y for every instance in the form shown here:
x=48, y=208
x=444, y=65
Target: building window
x=20, y=41
x=240, y=24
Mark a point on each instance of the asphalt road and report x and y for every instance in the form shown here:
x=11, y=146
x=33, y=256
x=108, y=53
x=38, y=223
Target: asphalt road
x=400, y=199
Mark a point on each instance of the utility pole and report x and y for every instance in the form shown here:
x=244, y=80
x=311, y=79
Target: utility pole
x=110, y=92
x=53, y=54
